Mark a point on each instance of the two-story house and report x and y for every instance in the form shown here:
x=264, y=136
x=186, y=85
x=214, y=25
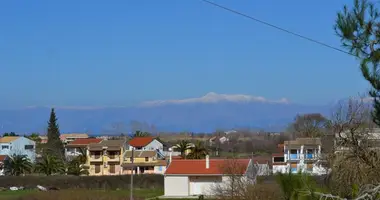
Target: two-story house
x=143, y=162
x=76, y=147
x=18, y=145
x=147, y=144
x=302, y=154
x=106, y=157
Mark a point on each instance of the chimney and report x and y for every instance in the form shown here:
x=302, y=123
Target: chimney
x=207, y=162
x=170, y=155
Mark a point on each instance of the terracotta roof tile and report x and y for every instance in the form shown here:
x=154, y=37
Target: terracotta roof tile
x=85, y=141
x=8, y=139
x=198, y=167
x=2, y=157
x=140, y=141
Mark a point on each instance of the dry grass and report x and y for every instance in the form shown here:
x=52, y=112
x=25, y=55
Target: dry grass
x=79, y=194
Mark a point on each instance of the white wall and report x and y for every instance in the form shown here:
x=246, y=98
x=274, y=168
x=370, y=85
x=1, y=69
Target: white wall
x=176, y=186
x=154, y=145
x=279, y=169
x=204, y=185
x=18, y=148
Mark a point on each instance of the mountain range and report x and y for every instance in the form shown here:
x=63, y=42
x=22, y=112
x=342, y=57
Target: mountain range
x=205, y=114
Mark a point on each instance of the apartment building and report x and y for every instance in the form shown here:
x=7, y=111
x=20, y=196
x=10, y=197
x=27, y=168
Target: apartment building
x=76, y=147
x=106, y=157
x=144, y=162
x=302, y=154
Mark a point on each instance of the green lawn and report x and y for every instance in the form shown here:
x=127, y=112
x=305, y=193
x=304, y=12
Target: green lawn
x=79, y=194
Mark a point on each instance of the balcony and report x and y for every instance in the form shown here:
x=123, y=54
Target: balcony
x=294, y=156
x=311, y=156
x=113, y=158
x=96, y=158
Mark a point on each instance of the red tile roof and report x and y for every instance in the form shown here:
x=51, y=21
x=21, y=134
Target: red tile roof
x=140, y=141
x=2, y=157
x=198, y=167
x=85, y=141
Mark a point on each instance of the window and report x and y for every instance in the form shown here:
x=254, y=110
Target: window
x=146, y=159
x=4, y=147
x=309, y=167
x=112, y=169
x=278, y=159
x=97, y=168
x=29, y=147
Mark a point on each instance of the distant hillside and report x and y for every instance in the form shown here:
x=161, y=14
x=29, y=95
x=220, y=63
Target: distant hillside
x=204, y=114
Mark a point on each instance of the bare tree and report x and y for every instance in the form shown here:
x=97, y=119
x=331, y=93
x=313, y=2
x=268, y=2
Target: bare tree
x=308, y=125
x=355, y=160
x=239, y=180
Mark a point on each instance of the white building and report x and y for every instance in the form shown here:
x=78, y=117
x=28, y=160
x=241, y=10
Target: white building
x=18, y=145
x=198, y=177
x=302, y=154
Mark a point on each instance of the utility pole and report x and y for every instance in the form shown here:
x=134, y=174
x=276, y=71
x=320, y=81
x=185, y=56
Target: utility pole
x=133, y=169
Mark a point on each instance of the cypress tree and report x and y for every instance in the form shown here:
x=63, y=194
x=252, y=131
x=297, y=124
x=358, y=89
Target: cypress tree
x=54, y=143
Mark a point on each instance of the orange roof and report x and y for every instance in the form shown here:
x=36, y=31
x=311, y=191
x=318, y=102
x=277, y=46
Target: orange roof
x=140, y=141
x=8, y=139
x=85, y=141
x=2, y=157
x=198, y=167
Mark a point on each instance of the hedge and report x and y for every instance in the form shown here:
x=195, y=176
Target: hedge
x=87, y=182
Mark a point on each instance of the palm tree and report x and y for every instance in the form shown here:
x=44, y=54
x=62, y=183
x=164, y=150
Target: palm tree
x=182, y=147
x=83, y=156
x=50, y=165
x=198, y=151
x=140, y=134
x=76, y=168
x=17, y=165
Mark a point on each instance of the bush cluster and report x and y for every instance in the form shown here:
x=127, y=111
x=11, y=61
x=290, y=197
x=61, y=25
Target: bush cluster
x=85, y=182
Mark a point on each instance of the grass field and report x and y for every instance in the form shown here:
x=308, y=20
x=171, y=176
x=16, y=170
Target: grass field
x=79, y=194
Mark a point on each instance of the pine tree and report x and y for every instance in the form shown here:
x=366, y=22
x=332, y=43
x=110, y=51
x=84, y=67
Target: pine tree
x=54, y=144
x=359, y=30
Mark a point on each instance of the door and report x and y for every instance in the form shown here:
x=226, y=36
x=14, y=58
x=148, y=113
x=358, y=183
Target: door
x=293, y=167
x=196, y=187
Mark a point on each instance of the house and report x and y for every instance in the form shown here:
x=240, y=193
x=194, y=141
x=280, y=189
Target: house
x=18, y=145
x=2, y=160
x=302, y=154
x=147, y=143
x=198, y=177
x=106, y=157
x=144, y=162
x=43, y=139
x=76, y=147
x=69, y=137
x=220, y=139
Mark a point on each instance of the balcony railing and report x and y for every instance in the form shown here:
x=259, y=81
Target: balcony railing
x=294, y=156
x=96, y=157
x=113, y=157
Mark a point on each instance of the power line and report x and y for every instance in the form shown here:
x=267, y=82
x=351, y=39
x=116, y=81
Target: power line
x=277, y=27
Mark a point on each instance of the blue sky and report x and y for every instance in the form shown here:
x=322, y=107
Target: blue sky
x=122, y=52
